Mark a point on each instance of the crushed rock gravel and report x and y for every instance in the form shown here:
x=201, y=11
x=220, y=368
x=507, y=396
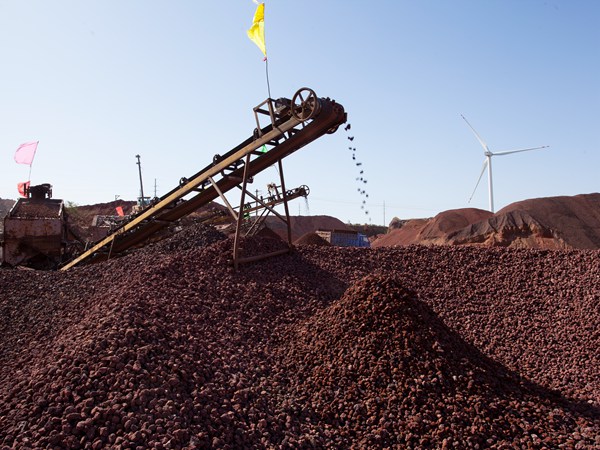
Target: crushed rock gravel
x=415, y=347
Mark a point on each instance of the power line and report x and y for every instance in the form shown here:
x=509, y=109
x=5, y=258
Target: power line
x=384, y=204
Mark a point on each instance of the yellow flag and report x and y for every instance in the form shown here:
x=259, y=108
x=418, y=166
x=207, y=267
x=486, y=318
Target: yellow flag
x=256, y=33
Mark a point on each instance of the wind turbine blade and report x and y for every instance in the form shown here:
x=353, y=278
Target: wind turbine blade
x=508, y=152
x=485, y=163
x=481, y=141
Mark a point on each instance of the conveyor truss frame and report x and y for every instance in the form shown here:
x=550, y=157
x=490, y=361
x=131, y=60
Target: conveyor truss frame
x=293, y=124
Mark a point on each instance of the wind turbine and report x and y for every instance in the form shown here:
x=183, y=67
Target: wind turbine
x=488, y=163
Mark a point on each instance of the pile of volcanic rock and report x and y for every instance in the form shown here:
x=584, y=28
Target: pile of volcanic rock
x=415, y=347
x=311, y=239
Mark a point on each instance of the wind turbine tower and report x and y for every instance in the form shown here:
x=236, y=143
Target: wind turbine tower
x=487, y=163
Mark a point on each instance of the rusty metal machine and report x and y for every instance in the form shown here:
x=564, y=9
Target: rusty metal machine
x=255, y=212
x=292, y=124
x=35, y=230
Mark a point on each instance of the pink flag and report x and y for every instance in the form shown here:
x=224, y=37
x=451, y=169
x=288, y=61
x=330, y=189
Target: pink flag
x=26, y=152
x=23, y=187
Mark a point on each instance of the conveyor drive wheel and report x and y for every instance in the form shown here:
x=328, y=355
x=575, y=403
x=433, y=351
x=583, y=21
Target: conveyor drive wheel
x=305, y=104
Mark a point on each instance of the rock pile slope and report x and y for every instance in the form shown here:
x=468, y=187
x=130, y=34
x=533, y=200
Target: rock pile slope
x=575, y=220
x=302, y=225
x=545, y=223
x=380, y=361
x=415, y=347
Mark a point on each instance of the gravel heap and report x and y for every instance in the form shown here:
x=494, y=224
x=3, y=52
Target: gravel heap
x=378, y=368
x=192, y=236
x=311, y=239
x=563, y=222
x=417, y=347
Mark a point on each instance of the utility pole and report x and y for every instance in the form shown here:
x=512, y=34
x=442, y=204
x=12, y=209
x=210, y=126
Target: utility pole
x=142, y=201
x=384, y=214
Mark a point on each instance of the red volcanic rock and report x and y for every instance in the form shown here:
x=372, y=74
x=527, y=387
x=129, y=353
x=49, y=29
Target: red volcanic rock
x=304, y=224
x=266, y=232
x=311, y=239
x=379, y=360
x=513, y=305
x=324, y=347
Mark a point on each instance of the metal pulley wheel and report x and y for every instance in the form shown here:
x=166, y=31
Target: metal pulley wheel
x=304, y=188
x=305, y=104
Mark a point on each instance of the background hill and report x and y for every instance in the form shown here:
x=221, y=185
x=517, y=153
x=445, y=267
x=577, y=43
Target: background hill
x=549, y=223
x=565, y=222
x=302, y=225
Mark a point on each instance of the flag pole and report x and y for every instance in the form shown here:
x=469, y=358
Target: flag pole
x=267, y=72
x=31, y=164
x=256, y=33
x=266, y=62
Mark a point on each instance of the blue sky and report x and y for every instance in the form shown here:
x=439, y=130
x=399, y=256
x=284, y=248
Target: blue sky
x=99, y=81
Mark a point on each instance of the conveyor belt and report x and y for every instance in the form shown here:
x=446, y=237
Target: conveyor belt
x=293, y=124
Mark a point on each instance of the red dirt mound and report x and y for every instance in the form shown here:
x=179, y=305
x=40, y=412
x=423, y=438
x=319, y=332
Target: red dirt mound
x=451, y=221
x=550, y=223
x=80, y=218
x=385, y=353
x=511, y=229
x=406, y=235
x=418, y=231
x=575, y=220
x=305, y=224
x=311, y=239
x=266, y=232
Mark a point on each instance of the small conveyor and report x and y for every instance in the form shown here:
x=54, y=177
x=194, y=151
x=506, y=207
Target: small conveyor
x=292, y=125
